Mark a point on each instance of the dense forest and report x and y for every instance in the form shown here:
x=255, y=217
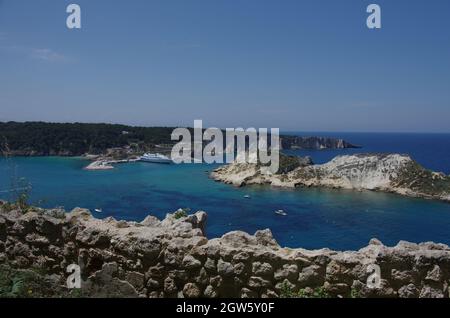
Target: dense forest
x=72, y=139
x=39, y=138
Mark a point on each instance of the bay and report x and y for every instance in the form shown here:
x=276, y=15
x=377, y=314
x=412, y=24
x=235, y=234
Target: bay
x=317, y=218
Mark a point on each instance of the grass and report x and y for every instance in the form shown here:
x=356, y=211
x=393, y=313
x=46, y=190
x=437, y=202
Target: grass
x=419, y=179
x=22, y=283
x=288, y=292
x=181, y=213
x=32, y=283
x=289, y=163
x=355, y=293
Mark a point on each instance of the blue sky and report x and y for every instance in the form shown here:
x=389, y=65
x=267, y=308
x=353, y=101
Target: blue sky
x=297, y=65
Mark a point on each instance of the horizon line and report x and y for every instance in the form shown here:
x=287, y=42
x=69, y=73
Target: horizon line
x=174, y=126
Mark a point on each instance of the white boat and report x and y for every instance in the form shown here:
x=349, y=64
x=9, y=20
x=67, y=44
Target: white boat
x=98, y=210
x=280, y=212
x=247, y=196
x=155, y=158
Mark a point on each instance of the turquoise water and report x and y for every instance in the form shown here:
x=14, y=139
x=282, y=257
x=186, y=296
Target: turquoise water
x=316, y=218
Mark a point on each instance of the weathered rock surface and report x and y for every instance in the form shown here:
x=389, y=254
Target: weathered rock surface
x=173, y=258
x=378, y=172
x=296, y=142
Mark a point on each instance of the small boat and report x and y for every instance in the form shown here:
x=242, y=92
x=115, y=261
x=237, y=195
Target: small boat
x=280, y=212
x=155, y=158
x=247, y=196
x=98, y=210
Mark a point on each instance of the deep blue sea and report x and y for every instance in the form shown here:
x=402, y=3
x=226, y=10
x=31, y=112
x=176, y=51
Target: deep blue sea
x=338, y=219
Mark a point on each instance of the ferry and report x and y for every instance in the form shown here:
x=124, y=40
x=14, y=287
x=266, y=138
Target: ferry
x=155, y=158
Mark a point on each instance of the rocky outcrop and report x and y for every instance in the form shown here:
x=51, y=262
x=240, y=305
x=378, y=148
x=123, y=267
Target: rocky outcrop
x=297, y=142
x=379, y=172
x=173, y=258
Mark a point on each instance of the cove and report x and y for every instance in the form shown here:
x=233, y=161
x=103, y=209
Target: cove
x=316, y=218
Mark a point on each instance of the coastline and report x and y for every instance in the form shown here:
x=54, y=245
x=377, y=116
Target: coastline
x=310, y=175
x=107, y=164
x=391, y=173
x=132, y=191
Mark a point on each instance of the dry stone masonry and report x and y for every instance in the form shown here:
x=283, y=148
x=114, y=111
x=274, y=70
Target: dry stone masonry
x=173, y=258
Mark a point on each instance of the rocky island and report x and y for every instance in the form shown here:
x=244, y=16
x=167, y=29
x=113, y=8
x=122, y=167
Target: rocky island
x=393, y=173
x=173, y=258
x=313, y=142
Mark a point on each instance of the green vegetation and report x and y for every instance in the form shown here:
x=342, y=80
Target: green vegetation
x=290, y=163
x=417, y=178
x=21, y=193
x=288, y=292
x=39, y=138
x=32, y=283
x=181, y=213
x=15, y=283
x=74, y=139
x=355, y=293
x=20, y=188
x=318, y=292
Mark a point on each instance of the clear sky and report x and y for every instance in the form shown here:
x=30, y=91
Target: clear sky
x=296, y=65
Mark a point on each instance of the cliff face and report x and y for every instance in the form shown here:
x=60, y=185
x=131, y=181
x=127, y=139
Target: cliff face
x=296, y=142
x=173, y=258
x=381, y=172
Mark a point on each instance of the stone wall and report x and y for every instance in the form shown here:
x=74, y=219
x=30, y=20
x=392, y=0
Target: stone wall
x=173, y=258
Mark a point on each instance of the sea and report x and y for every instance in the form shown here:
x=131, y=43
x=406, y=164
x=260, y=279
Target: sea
x=316, y=218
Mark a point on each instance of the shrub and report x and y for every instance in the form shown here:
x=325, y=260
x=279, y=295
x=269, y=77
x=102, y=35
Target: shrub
x=287, y=292
x=181, y=213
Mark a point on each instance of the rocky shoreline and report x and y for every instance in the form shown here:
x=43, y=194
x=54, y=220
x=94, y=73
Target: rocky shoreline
x=393, y=173
x=313, y=142
x=173, y=258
